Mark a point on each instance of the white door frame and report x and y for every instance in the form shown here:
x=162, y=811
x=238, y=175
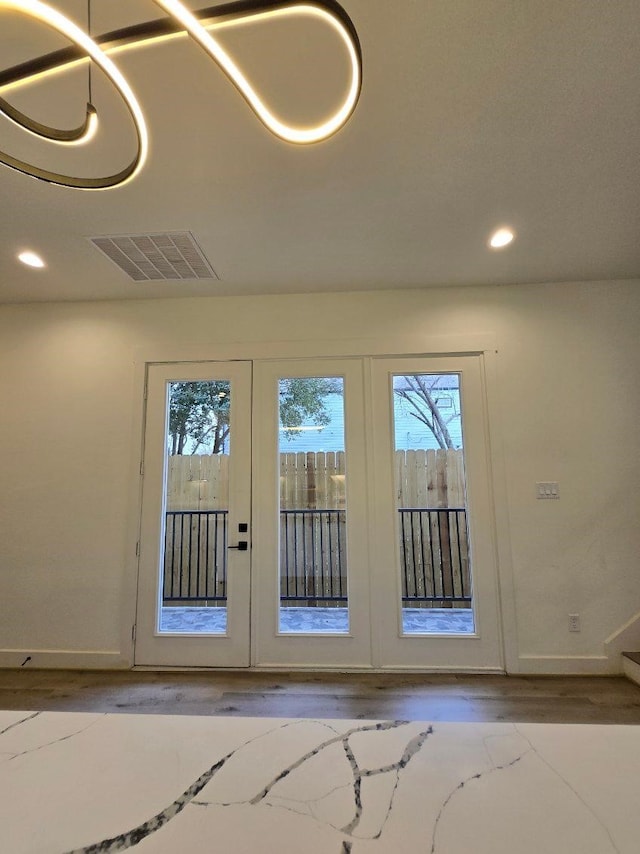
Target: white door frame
x=411, y=344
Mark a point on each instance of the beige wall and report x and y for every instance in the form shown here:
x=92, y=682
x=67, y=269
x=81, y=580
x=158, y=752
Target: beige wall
x=566, y=408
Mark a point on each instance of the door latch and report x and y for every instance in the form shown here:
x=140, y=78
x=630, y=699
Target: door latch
x=242, y=546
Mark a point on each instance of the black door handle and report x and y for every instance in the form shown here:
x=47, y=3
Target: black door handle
x=242, y=546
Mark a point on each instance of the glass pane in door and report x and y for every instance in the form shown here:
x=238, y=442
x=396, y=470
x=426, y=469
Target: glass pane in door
x=194, y=559
x=313, y=554
x=435, y=561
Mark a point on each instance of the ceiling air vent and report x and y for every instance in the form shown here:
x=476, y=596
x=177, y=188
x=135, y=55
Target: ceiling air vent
x=145, y=257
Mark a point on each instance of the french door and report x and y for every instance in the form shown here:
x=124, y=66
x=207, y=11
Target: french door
x=318, y=513
x=311, y=587
x=194, y=572
x=435, y=591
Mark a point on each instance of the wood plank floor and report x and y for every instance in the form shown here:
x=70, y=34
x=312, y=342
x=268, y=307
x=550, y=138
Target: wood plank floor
x=610, y=700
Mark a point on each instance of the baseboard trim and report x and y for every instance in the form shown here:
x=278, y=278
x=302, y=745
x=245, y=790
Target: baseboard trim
x=567, y=665
x=556, y=665
x=322, y=668
x=626, y=637
x=63, y=659
x=443, y=669
x=387, y=668
x=631, y=669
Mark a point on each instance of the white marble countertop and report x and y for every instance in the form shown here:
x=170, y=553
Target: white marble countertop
x=73, y=782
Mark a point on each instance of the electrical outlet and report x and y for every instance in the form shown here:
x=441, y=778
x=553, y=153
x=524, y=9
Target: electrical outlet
x=574, y=622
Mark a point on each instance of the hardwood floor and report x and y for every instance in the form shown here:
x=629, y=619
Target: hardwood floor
x=610, y=700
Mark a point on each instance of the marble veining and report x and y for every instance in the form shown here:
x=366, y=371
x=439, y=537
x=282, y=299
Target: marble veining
x=19, y=722
x=566, y=782
x=461, y=786
x=57, y=740
x=412, y=747
x=164, y=784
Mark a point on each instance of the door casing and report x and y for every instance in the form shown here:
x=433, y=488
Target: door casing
x=482, y=345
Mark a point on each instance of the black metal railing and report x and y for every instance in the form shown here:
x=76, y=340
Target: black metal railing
x=434, y=555
x=313, y=550
x=195, y=556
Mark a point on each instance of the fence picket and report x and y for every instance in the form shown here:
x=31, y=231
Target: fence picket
x=317, y=480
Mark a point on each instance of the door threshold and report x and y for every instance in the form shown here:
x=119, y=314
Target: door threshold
x=282, y=668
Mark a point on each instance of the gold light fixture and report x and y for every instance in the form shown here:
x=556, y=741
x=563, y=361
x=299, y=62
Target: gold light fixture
x=183, y=22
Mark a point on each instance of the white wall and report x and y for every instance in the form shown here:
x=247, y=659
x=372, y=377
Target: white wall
x=567, y=408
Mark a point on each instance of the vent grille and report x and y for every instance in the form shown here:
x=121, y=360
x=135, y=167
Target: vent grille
x=145, y=257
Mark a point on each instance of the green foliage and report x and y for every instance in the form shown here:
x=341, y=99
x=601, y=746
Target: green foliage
x=199, y=411
x=302, y=399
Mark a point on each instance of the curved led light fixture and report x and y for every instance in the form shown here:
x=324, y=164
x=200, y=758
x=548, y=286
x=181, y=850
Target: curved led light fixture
x=182, y=23
x=74, y=136
x=300, y=135
x=50, y=16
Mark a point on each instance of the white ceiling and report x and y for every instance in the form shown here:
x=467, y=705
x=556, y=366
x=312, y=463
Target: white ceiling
x=473, y=113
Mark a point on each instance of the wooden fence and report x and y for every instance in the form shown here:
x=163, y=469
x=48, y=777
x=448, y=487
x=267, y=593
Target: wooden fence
x=317, y=480
x=434, y=548
x=199, y=482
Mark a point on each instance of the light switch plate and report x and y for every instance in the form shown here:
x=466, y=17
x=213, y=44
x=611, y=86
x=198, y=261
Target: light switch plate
x=547, y=489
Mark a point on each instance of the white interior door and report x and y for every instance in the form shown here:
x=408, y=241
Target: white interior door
x=195, y=544
x=435, y=602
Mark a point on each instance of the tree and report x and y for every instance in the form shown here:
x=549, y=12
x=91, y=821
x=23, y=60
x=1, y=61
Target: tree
x=199, y=411
x=419, y=395
x=302, y=399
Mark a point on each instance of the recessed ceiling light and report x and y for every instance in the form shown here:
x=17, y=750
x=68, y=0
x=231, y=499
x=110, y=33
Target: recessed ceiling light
x=31, y=259
x=501, y=238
